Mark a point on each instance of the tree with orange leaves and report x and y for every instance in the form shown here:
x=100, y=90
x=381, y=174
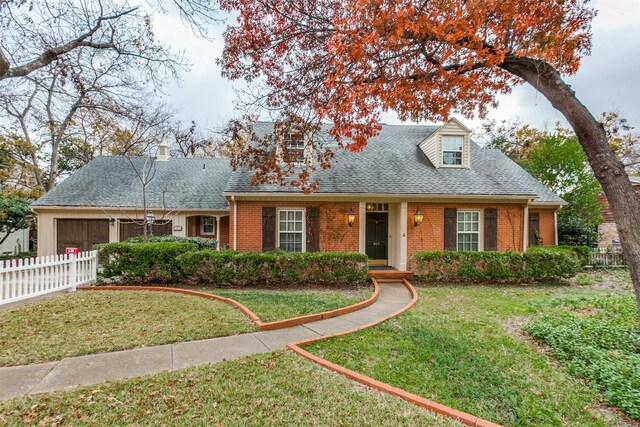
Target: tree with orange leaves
x=347, y=61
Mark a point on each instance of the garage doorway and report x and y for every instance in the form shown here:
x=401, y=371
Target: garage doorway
x=81, y=233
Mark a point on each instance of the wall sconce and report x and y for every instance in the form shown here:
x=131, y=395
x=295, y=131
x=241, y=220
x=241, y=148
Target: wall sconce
x=418, y=217
x=351, y=217
x=112, y=221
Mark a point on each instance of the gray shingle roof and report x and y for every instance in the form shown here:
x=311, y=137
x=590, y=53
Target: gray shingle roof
x=112, y=182
x=392, y=163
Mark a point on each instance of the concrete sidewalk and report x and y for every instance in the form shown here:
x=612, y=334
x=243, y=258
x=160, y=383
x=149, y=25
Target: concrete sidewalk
x=96, y=368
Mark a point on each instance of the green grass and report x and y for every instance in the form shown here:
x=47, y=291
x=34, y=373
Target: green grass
x=87, y=322
x=272, y=305
x=274, y=389
x=464, y=347
x=597, y=337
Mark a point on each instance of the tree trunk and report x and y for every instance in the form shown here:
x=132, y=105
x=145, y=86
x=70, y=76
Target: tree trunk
x=624, y=202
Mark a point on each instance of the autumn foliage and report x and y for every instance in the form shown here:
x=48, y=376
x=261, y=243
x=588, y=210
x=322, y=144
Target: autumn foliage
x=346, y=61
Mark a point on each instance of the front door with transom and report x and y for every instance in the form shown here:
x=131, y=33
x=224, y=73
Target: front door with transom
x=377, y=229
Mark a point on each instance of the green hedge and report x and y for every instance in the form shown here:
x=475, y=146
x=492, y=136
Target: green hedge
x=143, y=261
x=282, y=268
x=202, y=242
x=171, y=261
x=582, y=252
x=539, y=264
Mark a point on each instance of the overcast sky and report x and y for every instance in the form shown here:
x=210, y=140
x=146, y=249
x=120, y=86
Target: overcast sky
x=608, y=80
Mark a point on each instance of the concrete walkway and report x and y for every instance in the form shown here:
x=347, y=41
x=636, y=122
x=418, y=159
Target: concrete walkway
x=96, y=368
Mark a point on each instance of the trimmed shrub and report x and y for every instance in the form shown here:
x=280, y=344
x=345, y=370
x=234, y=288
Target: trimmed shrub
x=539, y=264
x=583, y=253
x=202, y=242
x=173, y=261
x=225, y=268
x=143, y=261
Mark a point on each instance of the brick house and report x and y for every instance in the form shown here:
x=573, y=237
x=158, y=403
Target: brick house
x=607, y=231
x=412, y=188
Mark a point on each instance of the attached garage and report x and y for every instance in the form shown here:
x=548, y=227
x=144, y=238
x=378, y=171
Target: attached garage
x=81, y=233
x=130, y=228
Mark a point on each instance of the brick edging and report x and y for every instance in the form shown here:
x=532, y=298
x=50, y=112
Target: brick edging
x=438, y=408
x=295, y=321
x=263, y=326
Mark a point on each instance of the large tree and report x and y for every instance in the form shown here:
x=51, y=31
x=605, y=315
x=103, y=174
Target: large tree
x=347, y=61
x=36, y=34
x=48, y=111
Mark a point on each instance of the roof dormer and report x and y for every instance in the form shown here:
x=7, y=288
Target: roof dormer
x=449, y=146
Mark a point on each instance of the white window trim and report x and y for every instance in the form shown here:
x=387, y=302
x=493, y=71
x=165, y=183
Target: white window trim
x=304, y=225
x=480, y=227
x=461, y=151
x=204, y=233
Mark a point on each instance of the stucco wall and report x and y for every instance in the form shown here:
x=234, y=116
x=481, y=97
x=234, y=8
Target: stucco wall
x=47, y=233
x=17, y=241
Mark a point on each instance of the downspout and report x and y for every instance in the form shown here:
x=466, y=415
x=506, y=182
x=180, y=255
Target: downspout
x=235, y=223
x=555, y=225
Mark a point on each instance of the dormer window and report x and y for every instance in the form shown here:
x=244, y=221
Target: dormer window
x=449, y=146
x=294, y=144
x=452, y=150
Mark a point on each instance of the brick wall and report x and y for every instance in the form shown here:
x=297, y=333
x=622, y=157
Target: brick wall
x=335, y=233
x=607, y=215
x=429, y=236
x=547, y=229
x=224, y=231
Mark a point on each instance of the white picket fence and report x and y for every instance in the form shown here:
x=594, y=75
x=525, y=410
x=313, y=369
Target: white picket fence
x=30, y=277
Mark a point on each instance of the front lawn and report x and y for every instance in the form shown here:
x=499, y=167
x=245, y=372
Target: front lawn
x=87, y=322
x=464, y=346
x=274, y=389
x=272, y=305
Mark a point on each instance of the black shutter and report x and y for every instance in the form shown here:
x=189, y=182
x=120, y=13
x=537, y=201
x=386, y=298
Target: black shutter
x=450, y=229
x=534, y=229
x=491, y=229
x=313, y=229
x=268, y=228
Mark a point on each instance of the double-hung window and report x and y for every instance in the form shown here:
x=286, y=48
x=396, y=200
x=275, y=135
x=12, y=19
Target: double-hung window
x=291, y=230
x=294, y=144
x=452, y=150
x=208, y=225
x=468, y=230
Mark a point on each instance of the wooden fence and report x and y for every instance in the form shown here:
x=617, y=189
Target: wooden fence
x=607, y=259
x=30, y=277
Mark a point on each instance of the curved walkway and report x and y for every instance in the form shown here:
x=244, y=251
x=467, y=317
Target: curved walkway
x=96, y=368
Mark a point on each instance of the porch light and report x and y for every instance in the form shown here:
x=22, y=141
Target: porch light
x=351, y=217
x=112, y=221
x=418, y=217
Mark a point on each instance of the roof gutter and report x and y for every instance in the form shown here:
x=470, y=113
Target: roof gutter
x=381, y=196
